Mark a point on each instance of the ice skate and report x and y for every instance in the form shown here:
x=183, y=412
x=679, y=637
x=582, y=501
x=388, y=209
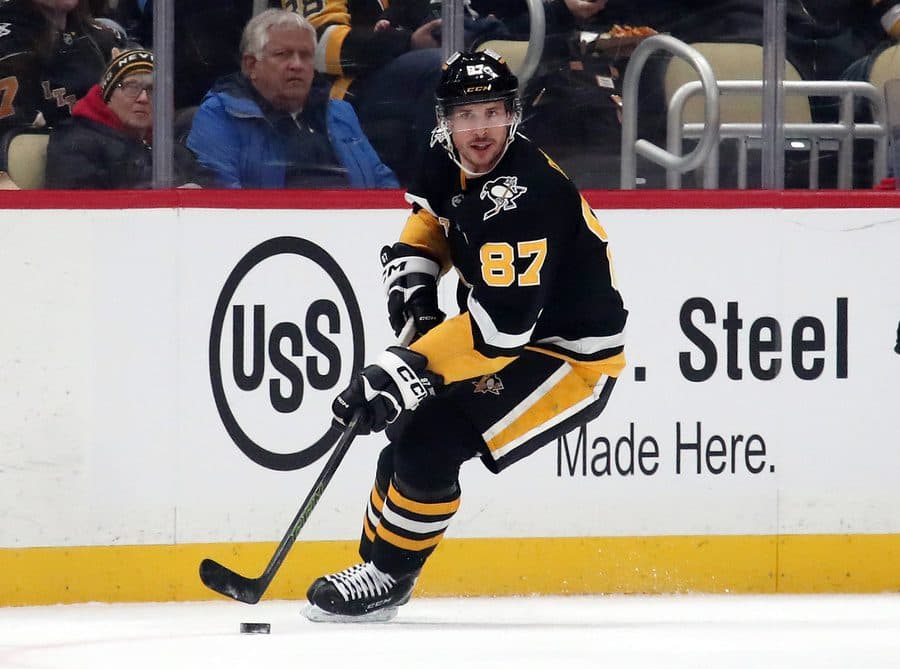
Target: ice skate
x=361, y=593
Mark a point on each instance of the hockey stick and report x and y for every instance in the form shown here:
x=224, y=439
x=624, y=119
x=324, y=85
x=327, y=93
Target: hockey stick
x=223, y=580
x=407, y=333
x=226, y=582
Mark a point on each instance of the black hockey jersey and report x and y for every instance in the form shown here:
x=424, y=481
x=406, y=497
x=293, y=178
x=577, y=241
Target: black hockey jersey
x=532, y=255
x=43, y=70
x=347, y=42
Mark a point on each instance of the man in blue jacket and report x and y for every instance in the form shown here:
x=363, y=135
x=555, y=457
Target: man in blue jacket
x=269, y=126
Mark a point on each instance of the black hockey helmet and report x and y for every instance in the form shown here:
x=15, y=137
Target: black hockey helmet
x=469, y=77
x=479, y=76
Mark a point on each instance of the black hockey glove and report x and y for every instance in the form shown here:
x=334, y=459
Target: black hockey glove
x=397, y=382
x=410, y=284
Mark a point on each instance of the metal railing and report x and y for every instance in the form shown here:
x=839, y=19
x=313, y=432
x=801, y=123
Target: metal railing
x=840, y=135
x=537, y=31
x=710, y=133
x=631, y=145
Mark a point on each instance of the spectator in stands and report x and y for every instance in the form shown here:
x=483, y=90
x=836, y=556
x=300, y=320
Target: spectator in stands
x=388, y=75
x=107, y=142
x=270, y=126
x=412, y=14
x=824, y=37
x=51, y=53
x=206, y=40
x=409, y=15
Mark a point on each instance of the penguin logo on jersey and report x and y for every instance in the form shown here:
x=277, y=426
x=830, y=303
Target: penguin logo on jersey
x=489, y=383
x=503, y=193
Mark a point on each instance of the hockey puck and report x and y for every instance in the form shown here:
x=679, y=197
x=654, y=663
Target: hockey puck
x=255, y=628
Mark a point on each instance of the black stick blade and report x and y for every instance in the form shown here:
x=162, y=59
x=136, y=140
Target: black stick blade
x=221, y=579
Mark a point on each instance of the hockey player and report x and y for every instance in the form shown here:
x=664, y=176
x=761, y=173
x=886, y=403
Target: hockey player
x=535, y=351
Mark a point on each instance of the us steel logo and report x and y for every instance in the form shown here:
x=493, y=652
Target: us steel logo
x=286, y=336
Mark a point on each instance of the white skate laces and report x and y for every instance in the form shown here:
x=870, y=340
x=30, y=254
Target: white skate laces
x=361, y=581
x=361, y=593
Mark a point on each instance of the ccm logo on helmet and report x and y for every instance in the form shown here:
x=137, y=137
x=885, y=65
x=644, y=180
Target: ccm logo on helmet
x=478, y=89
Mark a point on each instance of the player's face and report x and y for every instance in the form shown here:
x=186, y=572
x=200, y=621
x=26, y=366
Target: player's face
x=284, y=71
x=132, y=102
x=479, y=131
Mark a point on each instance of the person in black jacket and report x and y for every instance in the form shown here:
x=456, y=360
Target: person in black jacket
x=206, y=37
x=824, y=37
x=107, y=144
x=51, y=53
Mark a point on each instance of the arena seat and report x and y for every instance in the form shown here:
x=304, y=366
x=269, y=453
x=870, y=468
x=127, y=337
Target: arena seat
x=735, y=62
x=885, y=67
x=24, y=153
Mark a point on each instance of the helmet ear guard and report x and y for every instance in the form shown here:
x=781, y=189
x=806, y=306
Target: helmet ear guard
x=471, y=78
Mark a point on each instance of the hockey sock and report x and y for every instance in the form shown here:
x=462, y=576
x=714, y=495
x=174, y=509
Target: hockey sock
x=372, y=518
x=371, y=521
x=412, y=524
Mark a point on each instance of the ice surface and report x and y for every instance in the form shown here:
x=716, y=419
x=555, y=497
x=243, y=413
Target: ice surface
x=720, y=631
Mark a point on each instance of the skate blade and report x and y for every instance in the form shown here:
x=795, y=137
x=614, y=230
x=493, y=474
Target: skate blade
x=317, y=615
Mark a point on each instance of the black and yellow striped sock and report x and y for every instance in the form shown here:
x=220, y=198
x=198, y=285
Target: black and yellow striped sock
x=411, y=526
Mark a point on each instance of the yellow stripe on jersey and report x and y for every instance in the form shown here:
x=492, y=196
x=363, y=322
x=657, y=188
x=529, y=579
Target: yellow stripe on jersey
x=333, y=13
x=594, y=226
x=424, y=231
x=592, y=221
x=539, y=408
x=423, y=508
x=450, y=350
x=553, y=164
x=336, y=37
x=589, y=370
x=408, y=544
x=339, y=88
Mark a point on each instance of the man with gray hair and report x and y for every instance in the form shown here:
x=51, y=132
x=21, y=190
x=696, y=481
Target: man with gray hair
x=272, y=126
